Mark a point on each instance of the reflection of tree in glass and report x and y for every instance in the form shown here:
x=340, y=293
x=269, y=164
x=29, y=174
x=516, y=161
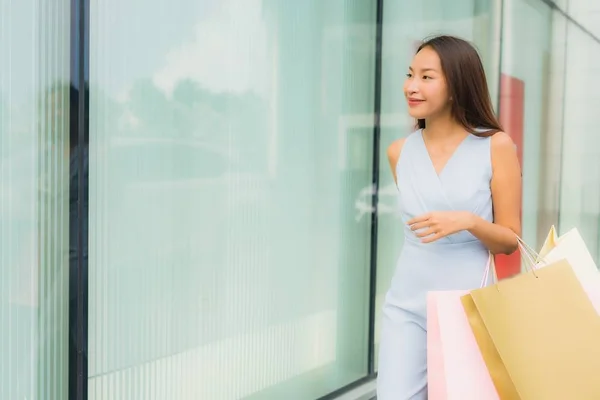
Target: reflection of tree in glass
x=167, y=160
x=34, y=168
x=226, y=131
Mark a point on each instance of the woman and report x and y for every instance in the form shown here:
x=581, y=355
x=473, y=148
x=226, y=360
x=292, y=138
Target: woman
x=459, y=185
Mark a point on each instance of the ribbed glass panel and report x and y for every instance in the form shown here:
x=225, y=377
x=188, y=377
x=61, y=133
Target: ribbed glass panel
x=580, y=147
x=34, y=198
x=230, y=157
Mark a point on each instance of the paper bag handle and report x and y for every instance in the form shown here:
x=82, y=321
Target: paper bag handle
x=529, y=253
x=491, y=264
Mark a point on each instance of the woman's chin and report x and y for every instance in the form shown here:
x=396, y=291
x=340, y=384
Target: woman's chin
x=415, y=114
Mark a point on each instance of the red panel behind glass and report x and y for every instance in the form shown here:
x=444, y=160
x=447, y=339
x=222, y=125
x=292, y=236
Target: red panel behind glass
x=512, y=107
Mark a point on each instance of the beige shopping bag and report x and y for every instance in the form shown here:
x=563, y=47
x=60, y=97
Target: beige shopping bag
x=539, y=335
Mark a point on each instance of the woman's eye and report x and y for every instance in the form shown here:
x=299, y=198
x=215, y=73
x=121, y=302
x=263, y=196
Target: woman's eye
x=409, y=75
x=426, y=77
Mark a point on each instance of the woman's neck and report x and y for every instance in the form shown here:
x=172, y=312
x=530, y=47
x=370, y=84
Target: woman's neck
x=443, y=127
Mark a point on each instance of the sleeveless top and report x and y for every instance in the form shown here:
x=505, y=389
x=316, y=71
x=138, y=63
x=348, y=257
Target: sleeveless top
x=457, y=261
x=462, y=185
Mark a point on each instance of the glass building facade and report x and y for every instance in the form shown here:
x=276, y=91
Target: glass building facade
x=195, y=201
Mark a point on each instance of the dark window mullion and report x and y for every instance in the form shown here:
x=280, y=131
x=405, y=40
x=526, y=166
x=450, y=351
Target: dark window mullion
x=78, y=202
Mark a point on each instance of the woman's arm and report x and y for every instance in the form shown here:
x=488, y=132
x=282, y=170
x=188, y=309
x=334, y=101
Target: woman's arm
x=500, y=236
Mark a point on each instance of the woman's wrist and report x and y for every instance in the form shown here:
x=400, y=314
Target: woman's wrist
x=471, y=221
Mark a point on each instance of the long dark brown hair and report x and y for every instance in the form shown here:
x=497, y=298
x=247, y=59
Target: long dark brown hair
x=467, y=85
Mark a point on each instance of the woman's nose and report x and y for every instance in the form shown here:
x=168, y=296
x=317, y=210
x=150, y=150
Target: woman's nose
x=412, y=86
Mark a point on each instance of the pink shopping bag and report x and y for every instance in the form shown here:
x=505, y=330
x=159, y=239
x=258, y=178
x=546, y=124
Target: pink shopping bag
x=435, y=357
x=455, y=367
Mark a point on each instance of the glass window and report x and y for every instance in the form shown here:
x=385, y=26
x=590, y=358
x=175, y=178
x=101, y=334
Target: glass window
x=405, y=25
x=551, y=135
x=562, y=4
x=580, y=191
x=34, y=199
x=524, y=105
x=230, y=145
x=586, y=13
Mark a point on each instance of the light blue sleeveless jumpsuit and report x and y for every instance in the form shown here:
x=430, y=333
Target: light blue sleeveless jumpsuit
x=454, y=262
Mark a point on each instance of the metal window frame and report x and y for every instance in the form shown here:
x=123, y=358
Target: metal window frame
x=78, y=262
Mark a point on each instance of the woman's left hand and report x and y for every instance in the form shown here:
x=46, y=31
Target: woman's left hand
x=438, y=224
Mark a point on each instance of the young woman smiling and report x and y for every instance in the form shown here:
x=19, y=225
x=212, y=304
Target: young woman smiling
x=459, y=184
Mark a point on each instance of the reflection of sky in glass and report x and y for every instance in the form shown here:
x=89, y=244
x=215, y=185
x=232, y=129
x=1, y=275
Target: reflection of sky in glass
x=207, y=42
x=18, y=37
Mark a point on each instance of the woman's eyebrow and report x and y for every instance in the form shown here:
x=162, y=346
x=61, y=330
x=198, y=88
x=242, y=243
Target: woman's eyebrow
x=424, y=69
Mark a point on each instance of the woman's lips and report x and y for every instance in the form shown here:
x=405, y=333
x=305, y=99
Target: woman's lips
x=414, y=102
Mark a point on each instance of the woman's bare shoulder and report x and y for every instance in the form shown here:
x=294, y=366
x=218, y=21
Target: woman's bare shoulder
x=502, y=141
x=394, y=150
x=504, y=154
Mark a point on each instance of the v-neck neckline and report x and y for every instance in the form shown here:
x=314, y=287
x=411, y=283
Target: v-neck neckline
x=441, y=172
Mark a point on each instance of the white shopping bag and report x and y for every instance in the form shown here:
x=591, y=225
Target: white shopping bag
x=571, y=247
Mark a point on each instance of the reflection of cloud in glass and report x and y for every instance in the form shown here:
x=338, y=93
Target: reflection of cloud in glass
x=229, y=53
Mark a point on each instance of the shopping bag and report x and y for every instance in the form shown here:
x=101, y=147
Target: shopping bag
x=549, y=243
x=538, y=334
x=436, y=381
x=571, y=247
x=455, y=367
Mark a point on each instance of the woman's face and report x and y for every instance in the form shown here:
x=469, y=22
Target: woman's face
x=425, y=86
